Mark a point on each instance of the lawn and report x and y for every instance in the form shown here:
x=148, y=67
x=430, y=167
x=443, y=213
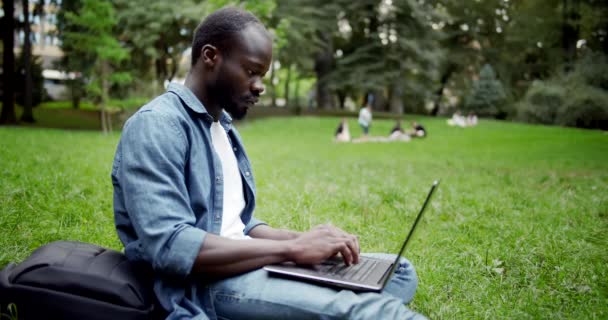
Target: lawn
x=518, y=227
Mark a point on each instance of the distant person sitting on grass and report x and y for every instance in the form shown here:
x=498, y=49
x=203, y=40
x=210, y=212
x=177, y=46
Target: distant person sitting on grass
x=457, y=120
x=184, y=198
x=397, y=127
x=365, y=119
x=397, y=133
x=342, y=132
x=418, y=131
x=471, y=120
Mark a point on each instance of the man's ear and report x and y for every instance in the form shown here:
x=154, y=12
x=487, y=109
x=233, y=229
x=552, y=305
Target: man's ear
x=210, y=55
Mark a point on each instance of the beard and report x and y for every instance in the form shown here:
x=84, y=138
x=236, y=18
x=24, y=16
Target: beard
x=236, y=107
x=237, y=113
x=233, y=102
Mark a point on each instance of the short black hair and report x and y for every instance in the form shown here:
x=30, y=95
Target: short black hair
x=219, y=27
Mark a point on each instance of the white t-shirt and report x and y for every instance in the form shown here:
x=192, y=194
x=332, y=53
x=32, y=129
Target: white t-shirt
x=365, y=117
x=234, y=199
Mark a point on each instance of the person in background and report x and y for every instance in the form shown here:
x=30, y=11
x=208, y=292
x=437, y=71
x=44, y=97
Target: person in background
x=397, y=127
x=342, y=132
x=365, y=119
x=471, y=119
x=457, y=120
x=418, y=131
x=398, y=134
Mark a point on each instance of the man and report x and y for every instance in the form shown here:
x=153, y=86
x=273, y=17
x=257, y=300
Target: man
x=184, y=197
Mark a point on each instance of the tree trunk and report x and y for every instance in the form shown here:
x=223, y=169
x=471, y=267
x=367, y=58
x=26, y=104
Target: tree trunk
x=296, y=93
x=444, y=80
x=102, y=118
x=39, y=11
x=341, y=98
x=396, y=99
x=273, y=87
x=161, y=72
x=105, y=88
x=287, y=83
x=109, y=121
x=27, y=115
x=323, y=66
x=75, y=91
x=8, y=67
x=570, y=31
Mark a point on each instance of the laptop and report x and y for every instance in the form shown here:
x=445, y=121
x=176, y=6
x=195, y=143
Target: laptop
x=370, y=274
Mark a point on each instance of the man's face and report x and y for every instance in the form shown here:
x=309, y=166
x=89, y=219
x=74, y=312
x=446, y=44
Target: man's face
x=239, y=80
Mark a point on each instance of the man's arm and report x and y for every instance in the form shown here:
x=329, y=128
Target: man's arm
x=222, y=257
x=264, y=231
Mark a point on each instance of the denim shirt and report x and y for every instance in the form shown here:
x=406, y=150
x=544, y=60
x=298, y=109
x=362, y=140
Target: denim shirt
x=168, y=194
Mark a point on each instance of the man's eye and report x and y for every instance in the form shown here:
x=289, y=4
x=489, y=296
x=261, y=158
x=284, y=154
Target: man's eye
x=250, y=72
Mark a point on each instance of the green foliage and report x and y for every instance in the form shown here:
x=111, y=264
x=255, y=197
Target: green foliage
x=75, y=60
x=585, y=107
x=541, y=103
x=94, y=23
x=157, y=32
x=487, y=96
x=516, y=230
x=578, y=98
x=362, y=46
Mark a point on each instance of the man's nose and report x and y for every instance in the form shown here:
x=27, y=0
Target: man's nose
x=258, y=86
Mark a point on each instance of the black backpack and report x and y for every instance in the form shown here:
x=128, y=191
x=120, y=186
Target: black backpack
x=75, y=280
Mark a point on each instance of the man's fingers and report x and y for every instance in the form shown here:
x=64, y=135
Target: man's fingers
x=353, y=244
x=357, y=249
x=346, y=253
x=354, y=250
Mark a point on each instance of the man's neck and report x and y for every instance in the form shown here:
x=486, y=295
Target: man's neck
x=197, y=86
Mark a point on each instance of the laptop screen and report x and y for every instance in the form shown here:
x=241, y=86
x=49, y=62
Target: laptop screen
x=409, y=235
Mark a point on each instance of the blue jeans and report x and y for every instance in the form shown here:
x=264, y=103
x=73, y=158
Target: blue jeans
x=256, y=295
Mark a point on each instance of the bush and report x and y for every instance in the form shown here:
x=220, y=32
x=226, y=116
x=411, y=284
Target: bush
x=541, y=103
x=578, y=98
x=584, y=107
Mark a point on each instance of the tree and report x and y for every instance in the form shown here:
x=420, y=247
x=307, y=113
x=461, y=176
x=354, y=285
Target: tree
x=96, y=20
x=28, y=115
x=360, y=47
x=157, y=33
x=487, y=95
x=37, y=91
x=308, y=28
x=74, y=62
x=8, y=64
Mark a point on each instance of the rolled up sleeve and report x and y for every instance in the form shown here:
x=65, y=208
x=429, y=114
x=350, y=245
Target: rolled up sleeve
x=154, y=154
x=252, y=224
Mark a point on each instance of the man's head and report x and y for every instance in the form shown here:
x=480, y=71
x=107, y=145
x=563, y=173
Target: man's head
x=231, y=53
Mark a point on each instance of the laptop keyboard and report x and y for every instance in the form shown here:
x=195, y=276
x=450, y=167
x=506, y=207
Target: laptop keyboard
x=356, y=272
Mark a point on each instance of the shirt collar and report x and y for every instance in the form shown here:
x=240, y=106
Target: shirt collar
x=197, y=106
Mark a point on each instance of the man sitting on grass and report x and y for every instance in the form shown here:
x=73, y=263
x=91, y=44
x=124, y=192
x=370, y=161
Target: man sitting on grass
x=184, y=197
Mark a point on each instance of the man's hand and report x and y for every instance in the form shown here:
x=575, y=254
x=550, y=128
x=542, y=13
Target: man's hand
x=323, y=242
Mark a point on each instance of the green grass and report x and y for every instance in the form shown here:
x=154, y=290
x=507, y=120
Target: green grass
x=518, y=228
x=126, y=103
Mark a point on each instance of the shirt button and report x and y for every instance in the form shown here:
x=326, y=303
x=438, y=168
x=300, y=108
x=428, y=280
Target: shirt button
x=234, y=149
x=217, y=178
x=247, y=173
